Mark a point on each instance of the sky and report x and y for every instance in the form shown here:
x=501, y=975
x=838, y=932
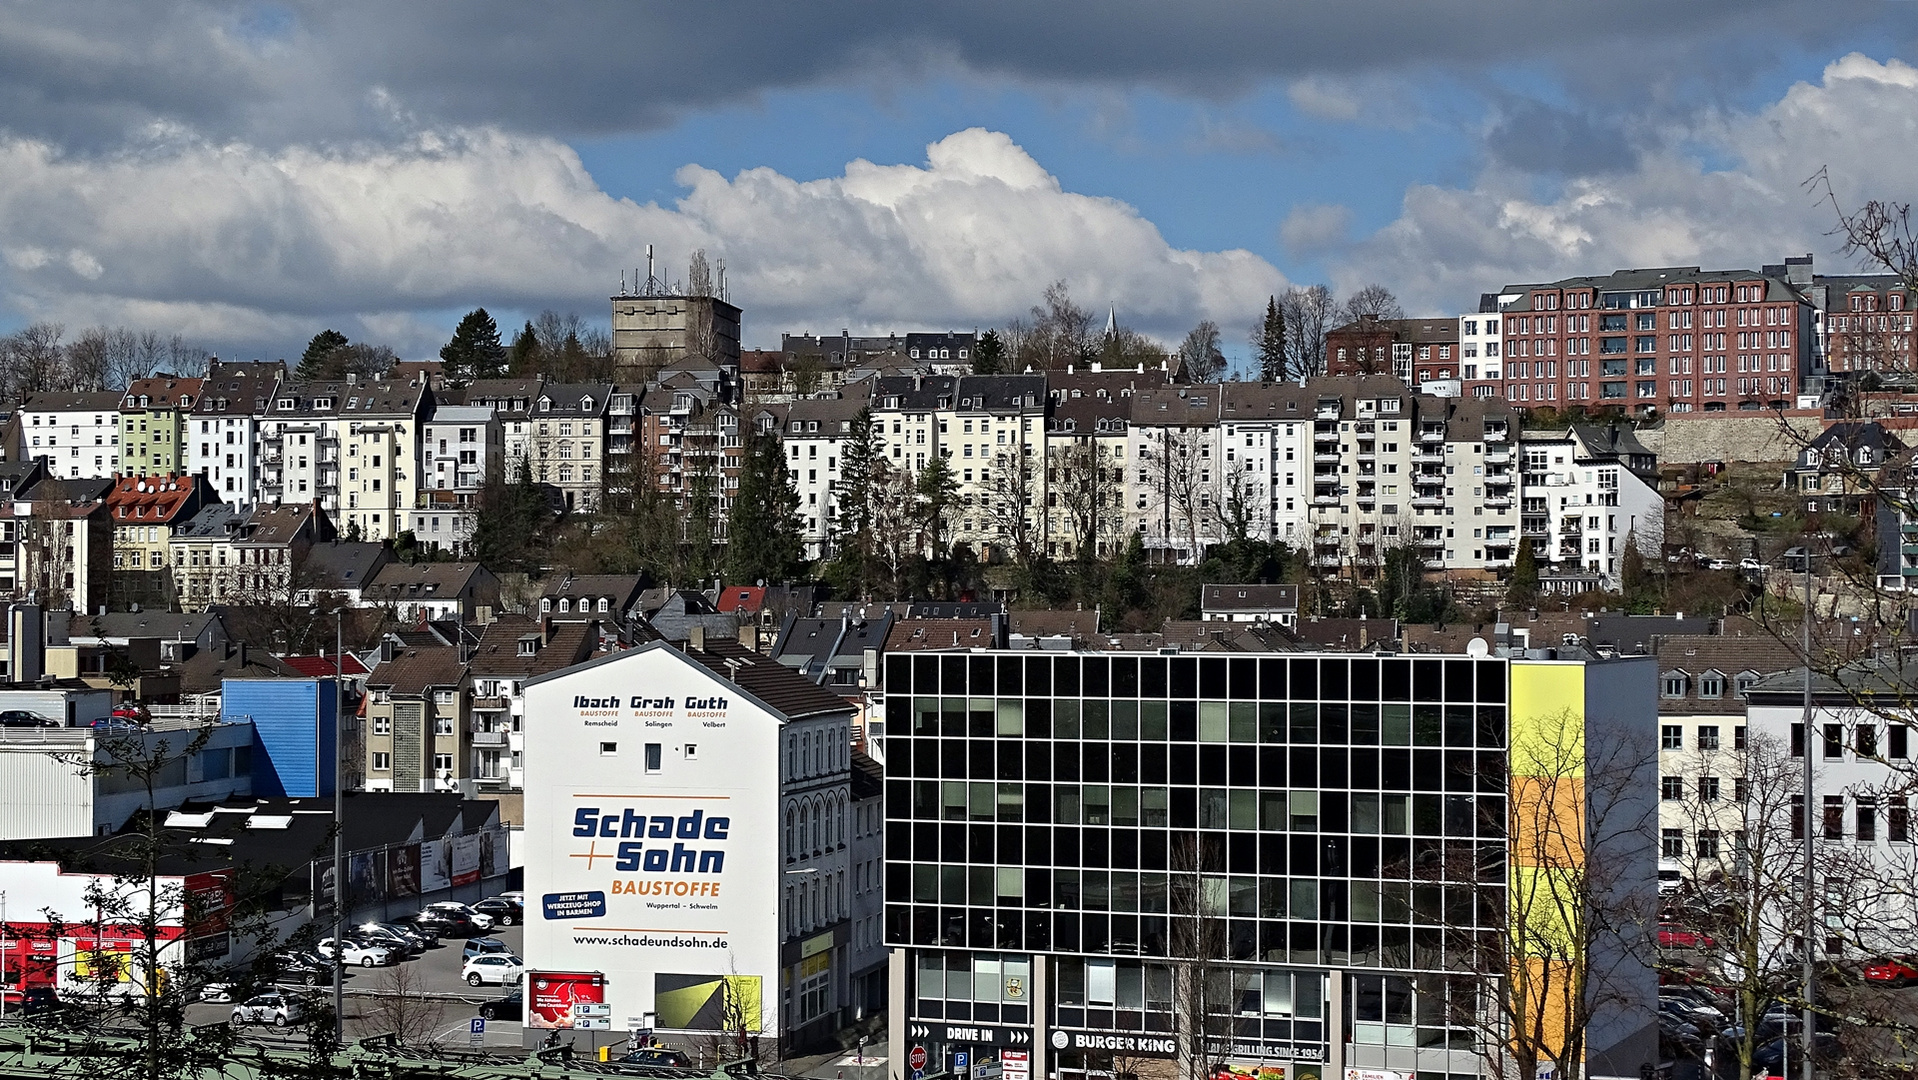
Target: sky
x=246, y=174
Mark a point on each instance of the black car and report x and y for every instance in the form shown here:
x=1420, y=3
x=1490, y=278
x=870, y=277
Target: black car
x=503, y=911
x=301, y=966
x=445, y=923
x=510, y=1007
x=23, y=718
x=1771, y=1056
x=656, y=1057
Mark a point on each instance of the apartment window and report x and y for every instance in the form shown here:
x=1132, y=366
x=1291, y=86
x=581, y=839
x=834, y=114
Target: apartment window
x=382, y=762
x=1671, y=736
x=1671, y=843
x=1865, y=740
x=654, y=757
x=442, y=764
x=382, y=725
x=1711, y=685
x=1895, y=741
x=1707, y=844
x=1834, y=817
x=1708, y=789
x=1898, y=820
x=1674, y=688
x=1708, y=737
x=1834, y=741
x=1738, y=737
x=608, y=749
x=442, y=725
x=1671, y=788
x=1865, y=819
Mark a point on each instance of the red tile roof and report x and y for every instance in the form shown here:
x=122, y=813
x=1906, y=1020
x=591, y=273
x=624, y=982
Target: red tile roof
x=319, y=666
x=151, y=499
x=747, y=598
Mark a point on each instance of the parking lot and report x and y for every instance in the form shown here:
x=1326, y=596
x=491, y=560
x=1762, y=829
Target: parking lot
x=447, y=1005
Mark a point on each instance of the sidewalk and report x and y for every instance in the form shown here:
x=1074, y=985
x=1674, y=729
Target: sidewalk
x=838, y=1065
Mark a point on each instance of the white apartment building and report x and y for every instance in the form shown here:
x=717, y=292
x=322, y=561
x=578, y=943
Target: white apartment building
x=568, y=442
x=460, y=447
x=299, y=451
x=814, y=432
x=1585, y=492
x=1480, y=341
x=979, y=424
x=1086, y=457
x=78, y=434
x=221, y=440
x=1174, y=473
x=512, y=403
x=378, y=428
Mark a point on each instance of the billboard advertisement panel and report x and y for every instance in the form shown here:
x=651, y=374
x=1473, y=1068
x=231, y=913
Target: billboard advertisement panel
x=436, y=864
x=466, y=858
x=652, y=839
x=551, y=996
x=403, y=871
x=365, y=883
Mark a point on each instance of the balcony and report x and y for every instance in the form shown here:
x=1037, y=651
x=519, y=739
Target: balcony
x=1327, y=560
x=1498, y=457
x=1325, y=459
x=1330, y=436
x=1503, y=479
x=1497, y=434
x=1427, y=502
x=1430, y=436
x=1325, y=500
x=1498, y=502
x=1435, y=564
x=489, y=738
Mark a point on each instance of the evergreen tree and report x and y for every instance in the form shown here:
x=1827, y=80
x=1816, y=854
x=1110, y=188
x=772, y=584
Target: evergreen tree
x=1268, y=343
x=523, y=358
x=1521, y=589
x=314, y=362
x=851, y=541
x=989, y=354
x=938, y=491
x=475, y=351
x=510, y=517
x=572, y=359
x=764, y=539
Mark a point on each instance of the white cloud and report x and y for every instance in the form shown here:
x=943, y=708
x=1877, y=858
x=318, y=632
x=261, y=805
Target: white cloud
x=1314, y=227
x=229, y=242
x=1723, y=190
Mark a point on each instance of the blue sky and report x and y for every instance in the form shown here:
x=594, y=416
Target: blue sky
x=245, y=173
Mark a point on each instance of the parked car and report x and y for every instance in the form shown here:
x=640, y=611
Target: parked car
x=1718, y=564
x=23, y=718
x=427, y=924
x=34, y=1001
x=273, y=1008
x=357, y=952
x=510, y=1007
x=446, y=924
x=132, y=712
x=1892, y=970
x=657, y=1057
x=222, y=989
x=375, y=934
x=484, y=922
x=423, y=938
x=1674, y=936
x=483, y=946
x=1771, y=1055
x=517, y=896
x=501, y=968
x=503, y=912
x=309, y=968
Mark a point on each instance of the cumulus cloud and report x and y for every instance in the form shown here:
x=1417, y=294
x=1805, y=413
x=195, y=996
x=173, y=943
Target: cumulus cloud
x=231, y=242
x=1312, y=228
x=1725, y=189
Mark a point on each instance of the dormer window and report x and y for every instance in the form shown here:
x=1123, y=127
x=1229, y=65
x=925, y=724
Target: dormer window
x=1711, y=684
x=546, y=605
x=604, y=604
x=529, y=645
x=1676, y=684
x=545, y=404
x=586, y=404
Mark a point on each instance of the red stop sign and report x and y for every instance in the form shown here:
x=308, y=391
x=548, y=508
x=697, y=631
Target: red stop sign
x=917, y=1058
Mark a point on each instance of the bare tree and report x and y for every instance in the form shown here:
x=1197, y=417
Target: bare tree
x=1205, y=988
x=403, y=1007
x=1557, y=913
x=1374, y=300
x=1310, y=314
x=1061, y=332
x=1200, y=358
x=896, y=527
x=1011, y=503
x=35, y=360
x=699, y=274
x=1180, y=489
x=1087, y=480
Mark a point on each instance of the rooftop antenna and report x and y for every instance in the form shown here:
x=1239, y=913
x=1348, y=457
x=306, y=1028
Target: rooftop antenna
x=622, y=283
x=722, y=280
x=649, y=269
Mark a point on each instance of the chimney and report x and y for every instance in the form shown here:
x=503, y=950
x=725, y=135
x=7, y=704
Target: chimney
x=696, y=638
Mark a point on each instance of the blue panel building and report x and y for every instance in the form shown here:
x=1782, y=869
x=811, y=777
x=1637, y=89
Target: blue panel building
x=295, y=723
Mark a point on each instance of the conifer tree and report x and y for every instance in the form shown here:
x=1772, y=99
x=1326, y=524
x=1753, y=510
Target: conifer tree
x=1268, y=343
x=764, y=538
x=475, y=351
x=523, y=358
x=315, y=362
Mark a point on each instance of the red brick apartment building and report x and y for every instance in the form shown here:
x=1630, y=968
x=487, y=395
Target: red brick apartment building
x=1674, y=339
x=1417, y=351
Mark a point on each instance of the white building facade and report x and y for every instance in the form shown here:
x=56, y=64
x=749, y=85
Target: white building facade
x=78, y=434
x=689, y=841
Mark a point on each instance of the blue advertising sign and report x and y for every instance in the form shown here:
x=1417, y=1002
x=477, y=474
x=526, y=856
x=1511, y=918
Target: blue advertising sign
x=574, y=905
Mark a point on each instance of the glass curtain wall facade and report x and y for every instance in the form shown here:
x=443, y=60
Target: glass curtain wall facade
x=1328, y=829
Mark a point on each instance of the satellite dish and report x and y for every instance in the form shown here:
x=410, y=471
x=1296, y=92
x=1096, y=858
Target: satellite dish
x=1477, y=647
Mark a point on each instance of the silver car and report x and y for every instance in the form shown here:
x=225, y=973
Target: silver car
x=273, y=1008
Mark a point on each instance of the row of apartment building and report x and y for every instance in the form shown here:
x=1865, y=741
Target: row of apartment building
x=1349, y=468
x=1663, y=339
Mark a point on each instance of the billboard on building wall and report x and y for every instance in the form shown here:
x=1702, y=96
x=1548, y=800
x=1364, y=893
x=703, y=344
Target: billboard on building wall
x=436, y=865
x=403, y=871
x=551, y=995
x=652, y=839
x=466, y=858
x=365, y=880
x=492, y=845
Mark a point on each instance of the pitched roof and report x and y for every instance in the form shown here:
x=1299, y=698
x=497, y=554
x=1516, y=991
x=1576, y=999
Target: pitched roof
x=345, y=564
x=106, y=401
x=421, y=581
x=498, y=652
x=742, y=598
x=213, y=522
x=150, y=500
x=922, y=635
x=1054, y=623
x=164, y=625
x=274, y=526
x=203, y=672
x=415, y=671
x=772, y=682
x=324, y=665
x=868, y=777
x=1249, y=597
x=163, y=392
x=1730, y=654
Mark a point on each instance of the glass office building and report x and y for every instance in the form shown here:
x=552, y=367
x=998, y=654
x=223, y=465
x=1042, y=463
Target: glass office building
x=1327, y=830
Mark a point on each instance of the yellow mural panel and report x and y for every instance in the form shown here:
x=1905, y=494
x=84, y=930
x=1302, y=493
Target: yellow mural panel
x=1548, y=720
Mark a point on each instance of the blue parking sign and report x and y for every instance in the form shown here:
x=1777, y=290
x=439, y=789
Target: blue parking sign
x=478, y=1026
x=959, y=1059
